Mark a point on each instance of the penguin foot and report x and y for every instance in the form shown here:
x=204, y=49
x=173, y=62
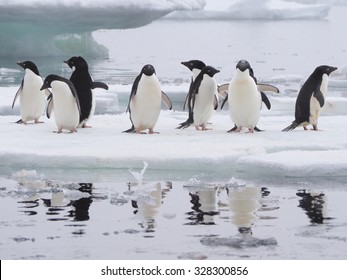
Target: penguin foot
x=153, y=132
x=59, y=131
x=37, y=121
x=86, y=126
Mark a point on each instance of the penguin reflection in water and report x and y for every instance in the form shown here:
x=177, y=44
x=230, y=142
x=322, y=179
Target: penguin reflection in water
x=31, y=98
x=311, y=98
x=84, y=86
x=63, y=102
x=145, y=101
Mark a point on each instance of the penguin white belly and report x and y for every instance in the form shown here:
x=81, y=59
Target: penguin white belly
x=244, y=103
x=32, y=99
x=314, y=104
x=203, y=106
x=146, y=104
x=66, y=112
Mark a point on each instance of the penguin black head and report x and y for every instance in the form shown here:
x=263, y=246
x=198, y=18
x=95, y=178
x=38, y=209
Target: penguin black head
x=325, y=69
x=194, y=64
x=77, y=62
x=243, y=65
x=49, y=79
x=209, y=70
x=148, y=70
x=29, y=65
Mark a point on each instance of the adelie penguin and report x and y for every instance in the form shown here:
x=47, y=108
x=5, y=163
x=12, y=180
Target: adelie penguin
x=245, y=99
x=195, y=66
x=32, y=100
x=63, y=102
x=84, y=86
x=311, y=98
x=203, y=97
x=262, y=88
x=145, y=101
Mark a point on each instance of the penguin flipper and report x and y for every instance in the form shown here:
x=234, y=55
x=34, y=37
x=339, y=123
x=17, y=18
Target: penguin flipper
x=17, y=93
x=185, y=102
x=224, y=101
x=223, y=90
x=49, y=106
x=166, y=100
x=215, y=102
x=266, y=87
x=292, y=126
x=99, y=85
x=319, y=96
x=265, y=100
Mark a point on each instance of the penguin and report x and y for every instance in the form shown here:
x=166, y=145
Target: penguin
x=145, y=101
x=262, y=88
x=202, y=97
x=244, y=98
x=32, y=99
x=64, y=102
x=311, y=98
x=195, y=66
x=84, y=86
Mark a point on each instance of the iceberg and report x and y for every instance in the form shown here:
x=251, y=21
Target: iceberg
x=254, y=10
x=52, y=28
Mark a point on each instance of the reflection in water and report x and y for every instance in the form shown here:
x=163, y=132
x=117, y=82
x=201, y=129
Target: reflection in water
x=59, y=203
x=243, y=203
x=204, y=201
x=314, y=205
x=147, y=202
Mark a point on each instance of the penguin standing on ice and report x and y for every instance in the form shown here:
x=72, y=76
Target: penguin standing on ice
x=202, y=97
x=311, y=98
x=32, y=99
x=145, y=101
x=262, y=88
x=64, y=102
x=195, y=66
x=244, y=98
x=84, y=86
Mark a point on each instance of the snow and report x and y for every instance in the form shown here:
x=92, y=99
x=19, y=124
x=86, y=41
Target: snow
x=254, y=9
x=293, y=154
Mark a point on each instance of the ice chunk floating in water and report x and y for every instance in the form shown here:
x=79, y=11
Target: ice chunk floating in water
x=46, y=28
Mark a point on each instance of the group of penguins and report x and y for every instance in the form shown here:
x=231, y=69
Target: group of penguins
x=73, y=103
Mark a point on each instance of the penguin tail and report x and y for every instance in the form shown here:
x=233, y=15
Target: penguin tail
x=187, y=123
x=258, y=129
x=291, y=126
x=130, y=130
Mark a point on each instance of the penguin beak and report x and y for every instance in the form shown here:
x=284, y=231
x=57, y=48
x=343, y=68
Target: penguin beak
x=21, y=64
x=44, y=86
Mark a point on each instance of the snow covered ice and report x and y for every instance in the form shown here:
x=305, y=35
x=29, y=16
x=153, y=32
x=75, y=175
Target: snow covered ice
x=296, y=154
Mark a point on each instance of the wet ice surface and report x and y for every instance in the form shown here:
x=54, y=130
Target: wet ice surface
x=234, y=219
